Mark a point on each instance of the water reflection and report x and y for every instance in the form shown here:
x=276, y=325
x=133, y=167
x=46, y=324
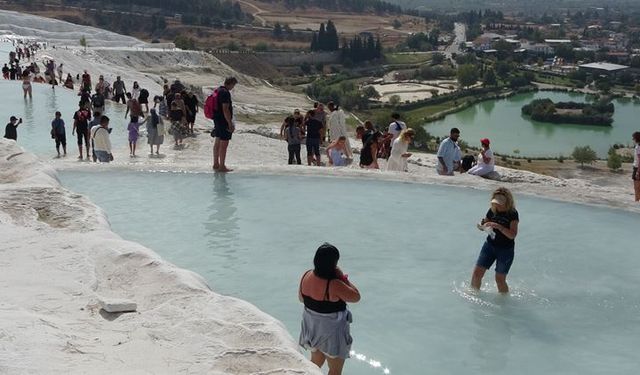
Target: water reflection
x=488, y=106
x=222, y=227
x=492, y=337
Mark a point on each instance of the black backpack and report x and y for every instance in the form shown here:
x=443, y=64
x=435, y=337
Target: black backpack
x=467, y=162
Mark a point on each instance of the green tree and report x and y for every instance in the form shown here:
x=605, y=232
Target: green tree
x=305, y=67
x=467, y=75
x=394, y=100
x=277, y=30
x=584, y=154
x=503, y=69
x=397, y=24
x=437, y=58
x=83, y=43
x=489, y=78
x=370, y=92
x=614, y=160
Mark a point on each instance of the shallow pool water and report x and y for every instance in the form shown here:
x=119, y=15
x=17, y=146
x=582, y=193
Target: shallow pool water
x=502, y=122
x=37, y=114
x=574, y=306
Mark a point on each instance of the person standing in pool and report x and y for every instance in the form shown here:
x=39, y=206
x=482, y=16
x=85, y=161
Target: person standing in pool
x=449, y=154
x=338, y=126
x=191, y=102
x=325, y=291
x=314, y=130
x=119, y=91
x=143, y=98
x=58, y=133
x=501, y=222
x=11, y=130
x=133, y=107
x=26, y=85
x=102, y=141
x=337, y=152
x=134, y=131
x=155, y=132
x=636, y=165
x=81, y=127
x=223, y=125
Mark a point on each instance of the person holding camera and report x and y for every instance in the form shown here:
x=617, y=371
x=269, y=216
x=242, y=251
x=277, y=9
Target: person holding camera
x=11, y=131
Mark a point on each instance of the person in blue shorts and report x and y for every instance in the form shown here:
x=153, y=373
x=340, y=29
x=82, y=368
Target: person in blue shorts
x=501, y=223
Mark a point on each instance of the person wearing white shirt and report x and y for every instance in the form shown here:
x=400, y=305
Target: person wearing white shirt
x=486, y=162
x=102, y=141
x=636, y=165
x=338, y=126
x=399, y=155
x=449, y=154
x=396, y=126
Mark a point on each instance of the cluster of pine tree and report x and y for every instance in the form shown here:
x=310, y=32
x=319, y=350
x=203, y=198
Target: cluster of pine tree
x=361, y=49
x=326, y=39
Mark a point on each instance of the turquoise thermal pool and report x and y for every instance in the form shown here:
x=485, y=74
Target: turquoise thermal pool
x=37, y=114
x=574, y=306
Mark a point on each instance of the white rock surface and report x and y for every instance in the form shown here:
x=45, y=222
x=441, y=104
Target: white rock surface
x=112, y=305
x=58, y=257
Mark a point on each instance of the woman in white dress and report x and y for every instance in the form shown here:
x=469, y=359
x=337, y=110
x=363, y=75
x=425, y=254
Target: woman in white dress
x=486, y=161
x=399, y=155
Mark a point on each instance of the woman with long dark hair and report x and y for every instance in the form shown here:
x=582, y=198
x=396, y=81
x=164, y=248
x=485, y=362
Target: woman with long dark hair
x=155, y=132
x=325, y=291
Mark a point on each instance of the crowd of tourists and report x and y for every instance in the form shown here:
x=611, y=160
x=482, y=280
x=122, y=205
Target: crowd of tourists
x=317, y=128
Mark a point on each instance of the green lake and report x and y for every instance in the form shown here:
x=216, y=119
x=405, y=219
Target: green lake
x=503, y=123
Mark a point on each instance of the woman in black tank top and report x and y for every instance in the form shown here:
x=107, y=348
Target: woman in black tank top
x=325, y=291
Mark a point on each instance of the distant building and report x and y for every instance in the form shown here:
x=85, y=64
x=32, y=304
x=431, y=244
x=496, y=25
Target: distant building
x=539, y=48
x=557, y=42
x=603, y=68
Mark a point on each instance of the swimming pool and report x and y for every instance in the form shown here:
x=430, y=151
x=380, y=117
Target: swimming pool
x=37, y=114
x=574, y=306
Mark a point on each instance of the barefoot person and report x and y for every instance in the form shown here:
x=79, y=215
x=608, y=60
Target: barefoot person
x=337, y=152
x=81, y=128
x=501, y=222
x=26, y=85
x=314, y=129
x=399, y=151
x=449, y=154
x=11, y=130
x=325, y=291
x=155, y=132
x=486, y=162
x=102, y=141
x=223, y=125
x=636, y=165
x=338, y=126
x=58, y=133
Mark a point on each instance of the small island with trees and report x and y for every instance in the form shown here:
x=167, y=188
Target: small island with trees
x=545, y=110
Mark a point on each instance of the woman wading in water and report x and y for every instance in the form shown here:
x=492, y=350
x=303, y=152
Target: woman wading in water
x=325, y=291
x=501, y=222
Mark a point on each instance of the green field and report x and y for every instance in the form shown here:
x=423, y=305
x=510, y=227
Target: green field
x=407, y=58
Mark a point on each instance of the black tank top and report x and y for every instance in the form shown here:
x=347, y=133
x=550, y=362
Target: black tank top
x=325, y=306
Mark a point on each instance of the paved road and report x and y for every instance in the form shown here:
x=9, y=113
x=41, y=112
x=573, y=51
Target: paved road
x=460, y=31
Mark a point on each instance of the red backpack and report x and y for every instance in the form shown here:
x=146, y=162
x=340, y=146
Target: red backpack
x=211, y=104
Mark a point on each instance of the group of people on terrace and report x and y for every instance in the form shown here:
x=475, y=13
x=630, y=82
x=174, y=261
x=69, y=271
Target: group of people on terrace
x=317, y=128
